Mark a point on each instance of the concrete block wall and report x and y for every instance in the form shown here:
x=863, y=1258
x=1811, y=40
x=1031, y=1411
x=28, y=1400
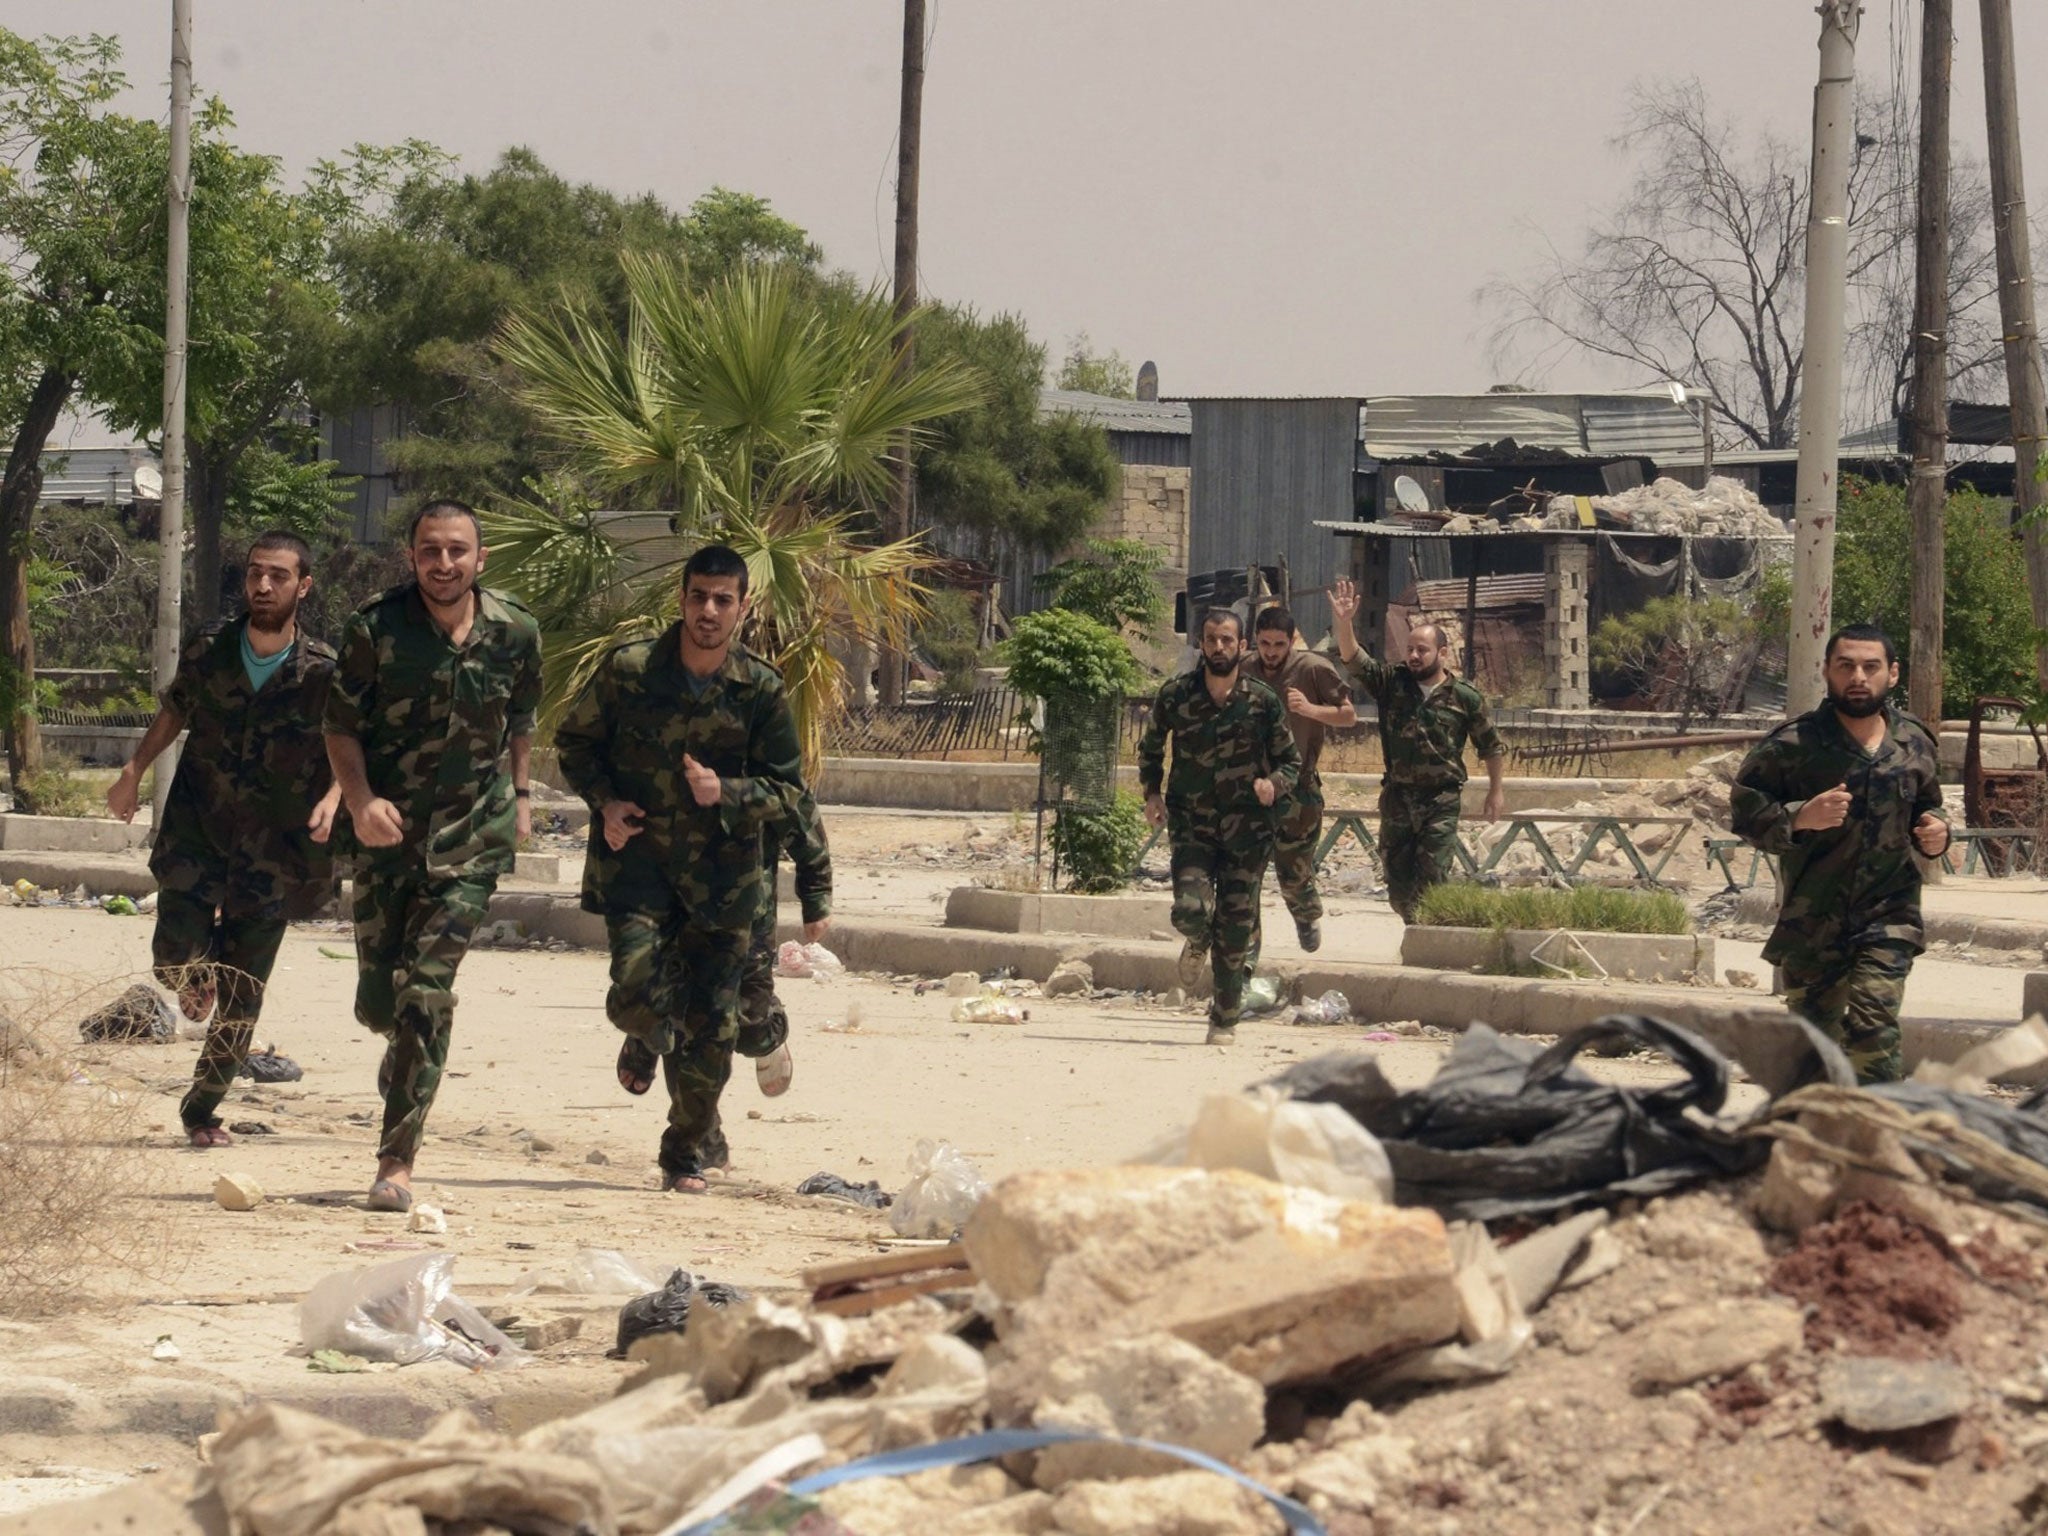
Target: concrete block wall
x=1566, y=626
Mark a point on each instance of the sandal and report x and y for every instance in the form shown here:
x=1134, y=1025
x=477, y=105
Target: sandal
x=387, y=1196
x=637, y=1065
x=206, y=1136
x=689, y=1180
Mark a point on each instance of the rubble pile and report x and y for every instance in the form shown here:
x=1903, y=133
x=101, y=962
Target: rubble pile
x=1726, y=509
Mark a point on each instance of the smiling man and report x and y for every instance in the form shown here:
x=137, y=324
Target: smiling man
x=430, y=730
x=685, y=750
x=243, y=845
x=1843, y=796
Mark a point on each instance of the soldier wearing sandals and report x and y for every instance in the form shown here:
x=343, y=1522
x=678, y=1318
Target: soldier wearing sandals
x=243, y=845
x=430, y=730
x=685, y=749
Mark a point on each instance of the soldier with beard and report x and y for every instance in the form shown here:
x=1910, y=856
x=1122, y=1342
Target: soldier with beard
x=1317, y=700
x=429, y=727
x=242, y=848
x=1842, y=796
x=1233, y=759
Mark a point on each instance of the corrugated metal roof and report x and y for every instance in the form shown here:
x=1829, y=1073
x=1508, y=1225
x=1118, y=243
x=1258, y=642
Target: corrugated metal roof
x=1601, y=426
x=1116, y=415
x=1494, y=591
x=1403, y=531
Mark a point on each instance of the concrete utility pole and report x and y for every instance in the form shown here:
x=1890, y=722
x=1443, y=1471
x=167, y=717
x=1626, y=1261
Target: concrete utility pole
x=1820, y=385
x=171, y=530
x=909, y=121
x=1927, y=497
x=2016, y=303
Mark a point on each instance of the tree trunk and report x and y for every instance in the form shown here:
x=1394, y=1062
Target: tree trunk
x=1927, y=496
x=208, y=479
x=21, y=487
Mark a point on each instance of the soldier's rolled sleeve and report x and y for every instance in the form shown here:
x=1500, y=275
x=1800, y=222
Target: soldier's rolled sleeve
x=1282, y=756
x=774, y=777
x=353, y=693
x=811, y=855
x=1485, y=737
x=1152, y=747
x=582, y=745
x=522, y=710
x=1755, y=811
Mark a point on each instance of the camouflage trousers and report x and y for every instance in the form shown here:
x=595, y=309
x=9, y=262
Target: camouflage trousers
x=1216, y=902
x=764, y=1026
x=1853, y=998
x=1418, y=840
x=412, y=930
x=1294, y=850
x=212, y=934
x=676, y=989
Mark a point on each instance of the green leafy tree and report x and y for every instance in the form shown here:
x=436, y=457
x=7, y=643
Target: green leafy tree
x=1084, y=370
x=765, y=409
x=951, y=637
x=1056, y=651
x=1987, y=628
x=80, y=186
x=1001, y=467
x=1113, y=581
x=1690, y=654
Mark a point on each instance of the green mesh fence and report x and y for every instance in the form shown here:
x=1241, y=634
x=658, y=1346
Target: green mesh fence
x=1078, y=750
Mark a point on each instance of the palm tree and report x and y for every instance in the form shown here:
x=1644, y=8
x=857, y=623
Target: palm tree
x=765, y=411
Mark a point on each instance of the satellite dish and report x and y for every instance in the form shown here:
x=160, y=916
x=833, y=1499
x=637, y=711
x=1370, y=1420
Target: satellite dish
x=1411, y=496
x=149, y=483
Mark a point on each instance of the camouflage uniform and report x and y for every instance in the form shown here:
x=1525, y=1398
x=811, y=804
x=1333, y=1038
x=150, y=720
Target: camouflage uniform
x=1849, y=914
x=1220, y=834
x=435, y=720
x=764, y=1023
x=681, y=900
x=1423, y=739
x=233, y=860
x=1300, y=821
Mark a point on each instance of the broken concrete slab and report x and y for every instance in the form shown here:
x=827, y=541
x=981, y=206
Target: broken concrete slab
x=1881, y=1397
x=1181, y=1504
x=1070, y=978
x=1706, y=1342
x=1281, y=1284
x=237, y=1192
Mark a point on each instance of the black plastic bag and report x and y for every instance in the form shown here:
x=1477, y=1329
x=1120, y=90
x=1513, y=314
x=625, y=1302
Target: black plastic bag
x=140, y=1013
x=269, y=1067
x=668, y=1309
x=833, y=1187
x=1508, y=1129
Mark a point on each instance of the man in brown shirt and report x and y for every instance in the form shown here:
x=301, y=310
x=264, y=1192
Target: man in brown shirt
x=1317, y=698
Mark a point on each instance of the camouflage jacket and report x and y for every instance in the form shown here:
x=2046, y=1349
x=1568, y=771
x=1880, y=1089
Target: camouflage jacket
x=435, y=720
x=1422, y=738
x=624, y=739
x=802, y=837
x=1218, y=751
x=1857, y=882
x=253, y=767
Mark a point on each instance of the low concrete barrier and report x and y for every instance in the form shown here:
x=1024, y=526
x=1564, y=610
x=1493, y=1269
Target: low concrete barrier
x=1117, y=917
x=1672, y=957
x=68, y=834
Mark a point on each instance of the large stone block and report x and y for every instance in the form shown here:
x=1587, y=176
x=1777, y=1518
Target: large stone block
x=1278, y=1283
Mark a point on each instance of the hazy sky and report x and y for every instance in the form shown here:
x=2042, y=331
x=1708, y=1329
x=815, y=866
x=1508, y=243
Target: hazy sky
x=1265, y=196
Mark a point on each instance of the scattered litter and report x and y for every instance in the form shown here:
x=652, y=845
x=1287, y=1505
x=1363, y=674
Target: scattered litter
x=835, y=1027
x=989, y=1006
x=941, y=1193
x=667, y=1310
x=427, y=1218
x=1380, y=1036
x=962, y=984
x=334, y=954
x=1261, y=995
x=830, y=1186
x=119, y=906
x=270, y=1067
x=1070, y=978
x=1311, y=1146
x=237, y=1192
x=26, y=893
x=590, y=1272
x=1333, y=1007
x=164, y=1349
x=334, y=1362
x=406, y=1311
x=800, y=960
x=140, y=1013
x=251, y=1128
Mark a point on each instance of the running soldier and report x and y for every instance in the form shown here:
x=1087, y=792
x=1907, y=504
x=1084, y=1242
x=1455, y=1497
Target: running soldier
x=1233, y=760
x=1317, y=700
x=686, y=752
x=1842, y=796
x=243, y=845
x=435, y=691
x=1427, y=715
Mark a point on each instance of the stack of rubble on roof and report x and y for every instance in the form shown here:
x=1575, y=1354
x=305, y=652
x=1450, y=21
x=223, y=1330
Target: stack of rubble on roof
x=1726, y=509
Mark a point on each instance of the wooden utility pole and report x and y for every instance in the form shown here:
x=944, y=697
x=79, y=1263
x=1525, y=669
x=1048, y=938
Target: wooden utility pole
x=2016, y=303
x=170, y=581
x=1820, y=382
x=1927, y=497
x=909, y=119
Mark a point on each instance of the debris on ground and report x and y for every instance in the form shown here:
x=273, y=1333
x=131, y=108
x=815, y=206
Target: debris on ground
x=237, y=1192
x=270, y=1067
x=830, y=1186
x=989, y=1005
x=405, y=1311
x=592, y=1272
x=942, y=1190
x=668, y=1309
x=1333, y=1007
x=140, y=1013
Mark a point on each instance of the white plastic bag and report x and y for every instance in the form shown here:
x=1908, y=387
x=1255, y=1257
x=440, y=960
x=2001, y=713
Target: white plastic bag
x=1261, y=995
x=791, y=961
x=1333, y=1007
x=991, y=1005
x=1313, y=1146
x=941, y=1193
x=594, y=1272
x=405, y=1311
x=822, y=961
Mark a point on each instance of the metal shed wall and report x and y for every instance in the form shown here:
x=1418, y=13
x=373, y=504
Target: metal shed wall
x=1264, y=472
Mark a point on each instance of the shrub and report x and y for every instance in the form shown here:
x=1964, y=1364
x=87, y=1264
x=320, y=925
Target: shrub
x=1055, y=651
x=1098, y=848
x=951, y=638
x=1681, y=653
x=1582, y=909
x=1113, y=581
x=57, y=791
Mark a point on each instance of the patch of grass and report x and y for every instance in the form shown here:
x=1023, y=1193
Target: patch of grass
x=58, y=791
x=1582, y=909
